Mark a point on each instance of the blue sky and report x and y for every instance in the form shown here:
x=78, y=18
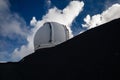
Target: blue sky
x=16, y=16
x=29, y=8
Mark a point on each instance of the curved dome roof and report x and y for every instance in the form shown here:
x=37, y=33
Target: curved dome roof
x=50, y=34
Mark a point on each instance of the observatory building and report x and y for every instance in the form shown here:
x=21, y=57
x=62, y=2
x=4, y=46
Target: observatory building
x=50, y=35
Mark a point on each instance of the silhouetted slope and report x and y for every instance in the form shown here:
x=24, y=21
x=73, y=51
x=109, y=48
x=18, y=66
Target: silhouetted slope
x=93, y=55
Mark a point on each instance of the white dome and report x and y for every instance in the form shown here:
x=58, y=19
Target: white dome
x=50, y=34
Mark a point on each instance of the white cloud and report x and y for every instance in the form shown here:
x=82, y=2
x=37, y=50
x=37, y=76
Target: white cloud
x=11, y=26
x=4, y=5
x=4, y=57
x=65, y=16
x=111, y=13
x=33, y=22
x=10, y=23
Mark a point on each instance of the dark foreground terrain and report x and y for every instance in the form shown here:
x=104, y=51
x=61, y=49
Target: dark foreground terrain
x=92, y=55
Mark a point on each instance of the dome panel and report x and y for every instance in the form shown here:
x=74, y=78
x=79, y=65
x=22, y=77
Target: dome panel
x=59, y=32
x=50, y=34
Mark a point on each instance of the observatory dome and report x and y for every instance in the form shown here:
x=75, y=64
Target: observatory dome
x=50, y=34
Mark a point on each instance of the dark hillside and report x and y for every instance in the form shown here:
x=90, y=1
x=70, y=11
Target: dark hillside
x=92, y=55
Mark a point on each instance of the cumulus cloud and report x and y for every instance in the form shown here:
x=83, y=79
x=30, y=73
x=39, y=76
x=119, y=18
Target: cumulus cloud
x=33, y=22
x=65, y=16
x=4, y=56
x=10, y=23
x=12, y=26
x=111, y=13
